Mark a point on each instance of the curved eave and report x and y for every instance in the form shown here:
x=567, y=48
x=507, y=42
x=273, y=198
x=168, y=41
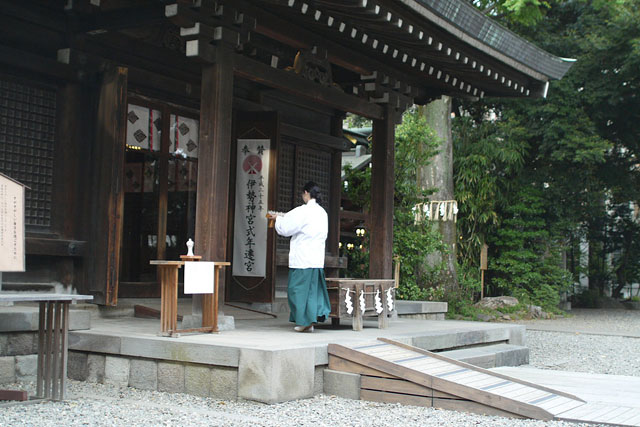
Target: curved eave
x=462, y=54
x=470, y=25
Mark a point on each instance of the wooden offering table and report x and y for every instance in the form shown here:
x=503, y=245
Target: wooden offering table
x=168, y=276
x=376, y=295
x=53, y=328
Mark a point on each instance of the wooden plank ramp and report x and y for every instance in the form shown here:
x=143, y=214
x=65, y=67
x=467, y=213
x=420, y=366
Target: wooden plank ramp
x=394, y=372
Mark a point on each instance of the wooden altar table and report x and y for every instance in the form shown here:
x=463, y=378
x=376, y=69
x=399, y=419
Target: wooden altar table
x=168, y=276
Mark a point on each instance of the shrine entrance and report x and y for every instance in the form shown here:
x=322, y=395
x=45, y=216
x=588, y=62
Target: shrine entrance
x=160, y=182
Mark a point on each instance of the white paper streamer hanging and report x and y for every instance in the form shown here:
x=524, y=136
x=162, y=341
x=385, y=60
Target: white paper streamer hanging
x=362, y=304
x=389, y=300
x=347, y=301
x=379, y=307
x=436, y=210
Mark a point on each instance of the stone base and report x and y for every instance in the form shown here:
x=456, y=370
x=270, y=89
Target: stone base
x=421, y=310
x=218, y=382
x=225, y=323
x=342, y=384
x=18, y=368
x=25, y=318
x=276, y=376
x=263, y=361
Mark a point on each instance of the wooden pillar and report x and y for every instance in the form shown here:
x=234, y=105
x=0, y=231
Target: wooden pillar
x=335, y=192
x=107, y=202
x=212, y=205
x=382, y=185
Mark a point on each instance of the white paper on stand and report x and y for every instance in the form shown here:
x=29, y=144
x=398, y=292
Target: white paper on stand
x=198, y=277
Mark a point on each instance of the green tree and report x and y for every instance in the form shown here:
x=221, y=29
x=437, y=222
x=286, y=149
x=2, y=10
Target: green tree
x=415, y=144
x=578, y=148
x=527, y=264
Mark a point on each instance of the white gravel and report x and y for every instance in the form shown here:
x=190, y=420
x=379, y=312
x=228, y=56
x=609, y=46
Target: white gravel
x=104, y=405
x=588, y=340
x=577, y=352
x=592, y=321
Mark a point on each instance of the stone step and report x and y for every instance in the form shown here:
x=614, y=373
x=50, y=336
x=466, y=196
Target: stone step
x=427, y=310
x=22, y=318
x=491, y=356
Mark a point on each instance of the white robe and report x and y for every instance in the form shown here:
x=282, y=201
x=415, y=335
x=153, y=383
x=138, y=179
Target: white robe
x=308, y=226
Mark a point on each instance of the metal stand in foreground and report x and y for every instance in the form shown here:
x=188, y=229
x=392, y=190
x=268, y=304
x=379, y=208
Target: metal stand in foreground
x=53, y=328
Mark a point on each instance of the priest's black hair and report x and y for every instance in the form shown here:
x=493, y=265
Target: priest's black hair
x=314, y=191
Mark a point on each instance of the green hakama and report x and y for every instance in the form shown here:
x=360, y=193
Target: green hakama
x=308, y=297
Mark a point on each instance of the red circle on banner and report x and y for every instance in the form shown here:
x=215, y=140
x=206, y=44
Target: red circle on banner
x=252, y=164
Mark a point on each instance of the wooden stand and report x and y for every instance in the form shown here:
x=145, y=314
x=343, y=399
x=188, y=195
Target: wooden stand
x=337, y=294
x=168, y=275
x=53, y=328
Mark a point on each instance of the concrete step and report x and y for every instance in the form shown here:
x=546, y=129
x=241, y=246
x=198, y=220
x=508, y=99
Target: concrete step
x=427, y=310
x=22, y=318
x=491, y=356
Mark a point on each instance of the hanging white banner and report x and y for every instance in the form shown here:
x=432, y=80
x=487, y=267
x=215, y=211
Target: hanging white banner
x=252, y=189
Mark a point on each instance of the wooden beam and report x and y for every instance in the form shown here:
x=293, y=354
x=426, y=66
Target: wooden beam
x=36, y=64
x=17, y=395
x=272, y=26
x=292, y=83
x=156, y=81
x=288, y=82
x=303, y=134
x=120, y=19
x=55, y=247
x=212, y=206
x=26, y=11
x=382, y=189
x=122, y=49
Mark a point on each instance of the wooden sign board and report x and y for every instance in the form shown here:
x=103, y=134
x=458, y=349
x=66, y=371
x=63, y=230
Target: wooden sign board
x=11, y=224
x=483, y=257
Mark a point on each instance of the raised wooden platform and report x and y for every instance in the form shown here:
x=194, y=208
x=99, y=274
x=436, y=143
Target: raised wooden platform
x=394, y=372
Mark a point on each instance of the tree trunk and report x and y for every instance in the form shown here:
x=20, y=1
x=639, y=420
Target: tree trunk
x=438, y=175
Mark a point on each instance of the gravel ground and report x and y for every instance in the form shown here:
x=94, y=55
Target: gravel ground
x=593, y=341
x=595, y=354
x=103, y=405
x=592, y=321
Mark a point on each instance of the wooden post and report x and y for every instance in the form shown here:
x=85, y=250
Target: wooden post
x=383, y=319
x=48, y=348
x=335, y=192
x=107, y=186
x=41, y=353
x=168, y=275
x=65, y=350
x=382, y=187
x=357, y=312
x=214, y=156
x=55, y=364
x=484, y=264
